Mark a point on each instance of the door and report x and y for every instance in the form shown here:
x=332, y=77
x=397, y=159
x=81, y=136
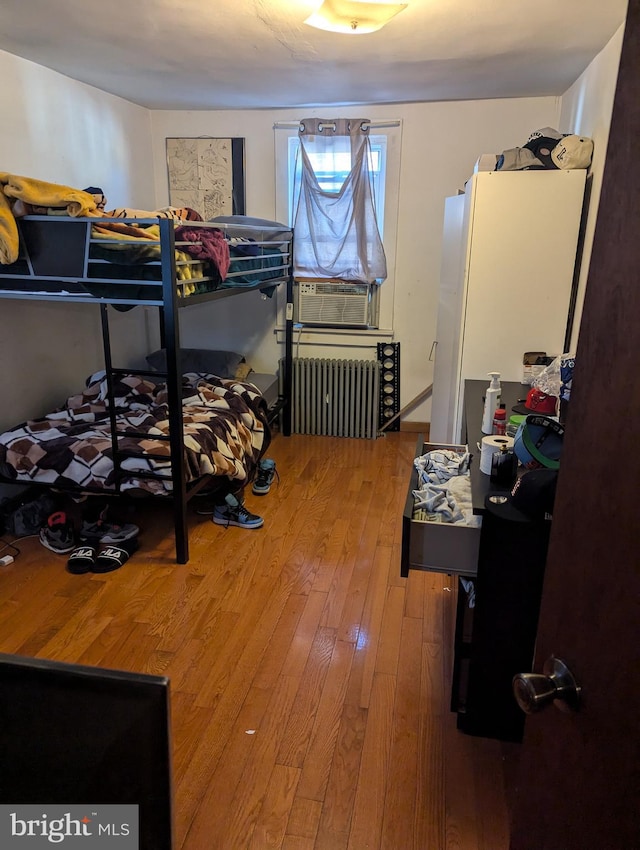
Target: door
x=578, y=785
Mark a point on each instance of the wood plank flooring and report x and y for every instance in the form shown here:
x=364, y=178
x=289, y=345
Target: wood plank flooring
x=309, y=681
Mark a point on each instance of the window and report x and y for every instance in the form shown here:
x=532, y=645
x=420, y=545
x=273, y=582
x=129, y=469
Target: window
x=332, y=168
x=385, y=162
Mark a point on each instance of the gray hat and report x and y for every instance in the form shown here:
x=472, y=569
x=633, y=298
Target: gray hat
x=518, y=159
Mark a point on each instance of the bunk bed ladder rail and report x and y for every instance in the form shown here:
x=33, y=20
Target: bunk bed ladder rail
x=170, y=336
x=170, y=339
x=109, y=374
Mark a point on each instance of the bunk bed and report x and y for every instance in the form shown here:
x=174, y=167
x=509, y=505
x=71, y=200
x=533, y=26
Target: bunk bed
x=175, y=266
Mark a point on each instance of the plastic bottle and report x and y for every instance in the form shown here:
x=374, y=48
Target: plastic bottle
x=491, y=401
x=500, y=421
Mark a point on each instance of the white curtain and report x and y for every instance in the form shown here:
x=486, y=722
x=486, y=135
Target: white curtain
x=336, y=232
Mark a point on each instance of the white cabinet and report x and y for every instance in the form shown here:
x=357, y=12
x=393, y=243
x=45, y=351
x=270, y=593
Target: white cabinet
x=508, y=259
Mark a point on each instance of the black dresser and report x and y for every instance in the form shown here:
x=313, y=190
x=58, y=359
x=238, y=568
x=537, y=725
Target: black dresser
x=500, y=570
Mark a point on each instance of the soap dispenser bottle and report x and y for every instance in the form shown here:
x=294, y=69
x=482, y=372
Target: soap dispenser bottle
x=491, y=401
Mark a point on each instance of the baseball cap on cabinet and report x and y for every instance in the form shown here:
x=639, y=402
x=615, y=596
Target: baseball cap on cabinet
x=541, y=148
x=541, y=143
x=547, y=132
x=518, y=159
x=537, y=402
x=573, y=152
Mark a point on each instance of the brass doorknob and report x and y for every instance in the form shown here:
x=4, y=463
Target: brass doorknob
x=556, y=684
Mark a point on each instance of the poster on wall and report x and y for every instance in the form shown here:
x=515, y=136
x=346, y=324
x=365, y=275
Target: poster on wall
x=207, y=175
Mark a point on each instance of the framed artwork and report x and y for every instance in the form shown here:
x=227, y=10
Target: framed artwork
x=207, y=174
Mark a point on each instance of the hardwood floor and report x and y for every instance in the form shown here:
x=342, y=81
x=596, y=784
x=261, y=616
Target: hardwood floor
x=309, y=681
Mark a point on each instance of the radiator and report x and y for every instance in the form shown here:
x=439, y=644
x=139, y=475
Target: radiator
x=337, y=398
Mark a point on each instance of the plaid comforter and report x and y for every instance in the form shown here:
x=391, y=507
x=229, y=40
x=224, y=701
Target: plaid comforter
x=225, y=434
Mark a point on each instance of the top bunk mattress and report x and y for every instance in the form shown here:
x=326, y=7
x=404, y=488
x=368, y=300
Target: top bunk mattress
x=121, y=261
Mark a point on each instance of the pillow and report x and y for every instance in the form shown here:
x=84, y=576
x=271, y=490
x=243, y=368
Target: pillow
x=253, y=228
x=225, y=364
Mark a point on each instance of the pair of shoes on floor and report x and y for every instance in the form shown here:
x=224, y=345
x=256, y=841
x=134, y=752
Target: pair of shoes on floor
x=265, y=476
x=59, y=536
x=233, y=512
x=87, y=559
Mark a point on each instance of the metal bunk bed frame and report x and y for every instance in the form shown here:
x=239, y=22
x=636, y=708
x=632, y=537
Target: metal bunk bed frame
x=67, y=237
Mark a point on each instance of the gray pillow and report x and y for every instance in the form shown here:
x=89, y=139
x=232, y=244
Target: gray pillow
x=253, y=228
x=222, y=363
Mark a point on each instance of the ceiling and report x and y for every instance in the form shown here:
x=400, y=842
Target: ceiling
x=247, y=54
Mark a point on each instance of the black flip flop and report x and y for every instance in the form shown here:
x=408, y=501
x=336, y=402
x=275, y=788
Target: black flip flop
x=113, y=557
x=81, y=560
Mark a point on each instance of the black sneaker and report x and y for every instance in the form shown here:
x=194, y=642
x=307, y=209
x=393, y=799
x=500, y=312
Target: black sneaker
x=58, y=534
x=233, y=512
x=265, y=476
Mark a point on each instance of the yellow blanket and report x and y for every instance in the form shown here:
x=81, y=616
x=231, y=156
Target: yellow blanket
x=37, y=193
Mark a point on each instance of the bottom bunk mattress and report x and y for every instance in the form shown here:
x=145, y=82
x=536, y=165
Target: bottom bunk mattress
x=225, y=434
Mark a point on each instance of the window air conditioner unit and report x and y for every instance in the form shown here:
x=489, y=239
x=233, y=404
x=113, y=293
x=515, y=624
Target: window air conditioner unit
x=334, y=303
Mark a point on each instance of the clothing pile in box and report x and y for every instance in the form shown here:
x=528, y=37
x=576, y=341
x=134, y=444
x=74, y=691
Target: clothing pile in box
x=444, y=491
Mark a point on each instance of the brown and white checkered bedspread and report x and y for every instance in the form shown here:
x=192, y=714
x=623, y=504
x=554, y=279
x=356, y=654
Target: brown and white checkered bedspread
x=225, y=434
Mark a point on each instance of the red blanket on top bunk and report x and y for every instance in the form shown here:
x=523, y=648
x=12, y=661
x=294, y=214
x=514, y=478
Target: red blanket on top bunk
x=225, y=434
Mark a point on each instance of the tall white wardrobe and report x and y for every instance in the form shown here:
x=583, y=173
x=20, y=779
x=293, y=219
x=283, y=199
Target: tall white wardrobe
x=508, y=259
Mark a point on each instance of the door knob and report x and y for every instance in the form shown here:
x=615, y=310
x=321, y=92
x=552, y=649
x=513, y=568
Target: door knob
x=556, y=684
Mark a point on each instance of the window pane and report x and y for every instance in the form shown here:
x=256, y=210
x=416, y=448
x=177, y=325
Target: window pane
x=331, y=161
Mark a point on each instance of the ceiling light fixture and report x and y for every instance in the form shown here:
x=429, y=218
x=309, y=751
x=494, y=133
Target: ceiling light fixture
x=353, y=16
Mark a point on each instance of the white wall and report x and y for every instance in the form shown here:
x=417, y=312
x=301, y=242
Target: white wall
x=440, y=144
x=586, y=110
x=62, y=131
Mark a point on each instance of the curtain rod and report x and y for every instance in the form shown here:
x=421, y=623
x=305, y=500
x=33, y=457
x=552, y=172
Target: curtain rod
x=296, y=125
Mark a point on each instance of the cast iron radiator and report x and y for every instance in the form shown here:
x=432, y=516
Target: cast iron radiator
x=336, y=398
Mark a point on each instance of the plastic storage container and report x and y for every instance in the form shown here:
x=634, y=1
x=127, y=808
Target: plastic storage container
x=514, y=423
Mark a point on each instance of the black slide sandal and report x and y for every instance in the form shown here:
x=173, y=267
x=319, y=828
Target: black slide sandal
x=112, y=558
x=82, y=560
